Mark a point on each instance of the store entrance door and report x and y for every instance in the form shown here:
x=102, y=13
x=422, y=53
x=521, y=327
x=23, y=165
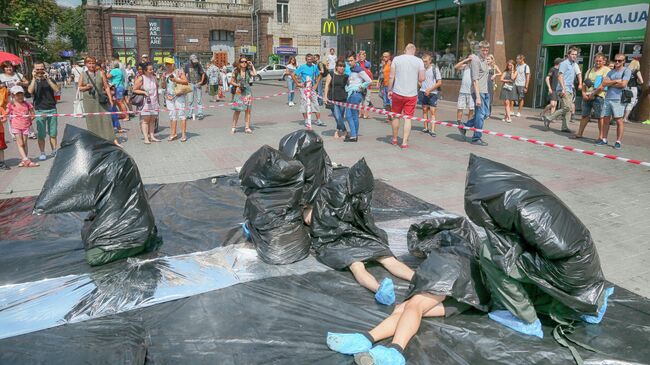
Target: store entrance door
x=547, y=57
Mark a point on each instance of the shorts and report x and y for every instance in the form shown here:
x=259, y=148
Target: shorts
x=315, y=108
x=431, y=100
x=23, y=131
x=213, y=90
x=613, y=108
x=3, y=144
x=46, y=125
x=465, y=101
x=593, y=107
x=404, y=104
x=519, y=92
x=175, y=108
x=119, y=92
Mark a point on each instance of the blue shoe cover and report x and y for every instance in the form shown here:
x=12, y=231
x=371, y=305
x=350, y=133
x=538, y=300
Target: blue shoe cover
x=386, y=292
x=247, y=233
x=348, y=343
x=601, y=310
x=511, y=321
x=381, y=355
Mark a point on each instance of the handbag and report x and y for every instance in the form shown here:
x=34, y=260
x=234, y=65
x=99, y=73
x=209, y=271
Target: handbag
x=508, y=87
x=78, y=105
x=626, y=96
x=101, y=96
x=181, y=89
x=137, y=100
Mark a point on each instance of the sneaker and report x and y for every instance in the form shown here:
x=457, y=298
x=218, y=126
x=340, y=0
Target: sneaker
x=380, y=355
x=291, y=103
x=320, y=123
x=433, y=134
x=479, y=142
x=566, y=130
x=462, y=131
x=617, y=145
x=32, y=135
x=201, y=116
x=53, y=154
x=42, y=157
x=547, y=122
x=601, y=142
x=518, y=114
x=3, y=166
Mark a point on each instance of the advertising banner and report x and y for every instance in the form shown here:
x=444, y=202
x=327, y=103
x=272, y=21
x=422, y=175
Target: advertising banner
x=328, y=27
x=595, y=21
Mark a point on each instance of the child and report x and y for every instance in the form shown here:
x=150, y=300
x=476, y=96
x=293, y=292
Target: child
x=3, y=145
x=21, y=115
x=428, y=94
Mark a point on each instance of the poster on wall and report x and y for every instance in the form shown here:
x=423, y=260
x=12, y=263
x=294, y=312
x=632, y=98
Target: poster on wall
x=595, y=21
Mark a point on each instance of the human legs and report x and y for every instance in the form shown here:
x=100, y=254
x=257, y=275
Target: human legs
x=564, y=111
x=397, y=268
x=247, y=115
x=21, y=142
x=426, y=116
x=352, y=114
x=235, y=119
x=152, y=127
x=146, y=120
x=198, y=101
x=363, y=277
x=338, y=113
x=480, y=113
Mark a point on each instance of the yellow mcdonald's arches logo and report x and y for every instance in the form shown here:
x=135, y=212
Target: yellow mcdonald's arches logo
x=328, y=27
x=348, y=29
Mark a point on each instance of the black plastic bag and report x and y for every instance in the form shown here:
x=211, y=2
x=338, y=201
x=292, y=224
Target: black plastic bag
x=92, y=174
x=273, y=184
x=450, y=244
x=307, y=147
x=343, y=228
x=534, y=234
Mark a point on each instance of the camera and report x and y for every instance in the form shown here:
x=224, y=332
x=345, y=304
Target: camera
x=91, y=92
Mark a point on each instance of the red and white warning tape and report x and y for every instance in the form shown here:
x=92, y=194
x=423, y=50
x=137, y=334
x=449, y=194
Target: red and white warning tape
x=498, y=134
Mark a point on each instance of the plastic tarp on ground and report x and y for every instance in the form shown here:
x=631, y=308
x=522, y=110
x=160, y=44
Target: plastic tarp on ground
x=262, y=314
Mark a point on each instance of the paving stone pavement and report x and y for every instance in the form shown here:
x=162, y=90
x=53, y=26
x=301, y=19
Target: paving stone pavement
x=611, y=198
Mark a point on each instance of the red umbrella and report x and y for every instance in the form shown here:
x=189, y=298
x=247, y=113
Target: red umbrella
x=4, y=56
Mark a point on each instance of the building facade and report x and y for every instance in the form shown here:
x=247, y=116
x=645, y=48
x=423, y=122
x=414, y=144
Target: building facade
x=211, y=29
x=13, y=40
x=451, y=29
x=292, y=30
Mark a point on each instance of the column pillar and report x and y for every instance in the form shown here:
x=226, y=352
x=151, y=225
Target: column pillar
x=643, y=111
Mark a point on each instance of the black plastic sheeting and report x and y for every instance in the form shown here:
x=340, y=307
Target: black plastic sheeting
x=534, y=238
x=273, y=184
x=343, y=229
x=92, y=174
x=307, y=147
x=277, y=320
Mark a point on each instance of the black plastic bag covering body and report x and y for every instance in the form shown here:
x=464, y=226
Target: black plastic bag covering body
x=307, y=147
x=343, y=229
x=92, y=174
x=534, y=235
x=451, y=245
x=273, y=184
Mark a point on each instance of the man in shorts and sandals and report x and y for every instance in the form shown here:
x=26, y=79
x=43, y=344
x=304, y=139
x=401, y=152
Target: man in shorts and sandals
x=465, y=99
x=521, y=82
x=551, y=84
x=406, y=71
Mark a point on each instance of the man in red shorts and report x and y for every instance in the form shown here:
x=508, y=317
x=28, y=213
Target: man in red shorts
x=406, y=72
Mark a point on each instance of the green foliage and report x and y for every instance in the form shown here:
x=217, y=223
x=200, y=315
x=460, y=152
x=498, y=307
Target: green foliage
x=71, y=25
x=51, y=51
x=37, y=15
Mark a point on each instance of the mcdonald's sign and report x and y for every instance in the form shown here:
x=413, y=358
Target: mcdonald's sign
x=328, y=27
x=347, y=29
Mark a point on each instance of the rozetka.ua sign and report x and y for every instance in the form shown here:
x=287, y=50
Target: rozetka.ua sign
x=595, y=21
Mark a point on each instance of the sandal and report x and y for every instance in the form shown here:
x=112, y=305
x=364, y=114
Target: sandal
x=233, y=130
x=575, y=136
x=248, y=131
x=28, y=163
x=404, y=146
x=23, y=163
x=184, y=139
x=394, y=142
x=172, y=138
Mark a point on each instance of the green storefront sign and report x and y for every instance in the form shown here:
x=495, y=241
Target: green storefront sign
x=595, y=21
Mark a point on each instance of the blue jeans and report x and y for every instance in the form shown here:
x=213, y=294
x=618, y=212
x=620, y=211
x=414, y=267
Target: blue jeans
x=353, y=114
x=292, y=87
x=194, y=101
x=480, y=113
x=339, y=114
x=115, y=118
x=321, y=85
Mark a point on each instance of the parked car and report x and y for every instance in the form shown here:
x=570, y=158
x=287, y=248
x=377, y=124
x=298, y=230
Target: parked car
x=271, y=72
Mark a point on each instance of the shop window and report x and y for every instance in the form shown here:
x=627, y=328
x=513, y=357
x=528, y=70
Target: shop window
x=124, y=37
x=472, y=28
x=222, y=36
x=282, y=11
x=425, y=25
x=161, y=38
x=388, y=35
x=405, y=27
x=446, y=41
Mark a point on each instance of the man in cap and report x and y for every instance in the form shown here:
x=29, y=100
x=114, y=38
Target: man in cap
x=196, y=77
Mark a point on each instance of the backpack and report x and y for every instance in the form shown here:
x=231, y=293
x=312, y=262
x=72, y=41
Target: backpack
x=366, y=69
x=634, y=81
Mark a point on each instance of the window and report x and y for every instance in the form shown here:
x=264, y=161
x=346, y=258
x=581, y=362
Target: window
x=124, y=38
x=286, y=42
x=388, y=35
x=282, y=12
x=222, y=36
x=446, y=41
x=404, y=32
x=280, y=67
x=161, y=38
x=425, y=25
x=472, y=25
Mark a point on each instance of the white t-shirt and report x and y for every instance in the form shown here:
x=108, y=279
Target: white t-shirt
x=431, y=76
x=331, y=59
x=11, y=81
x=466, y=82
x=522, y=70
x=407, y=70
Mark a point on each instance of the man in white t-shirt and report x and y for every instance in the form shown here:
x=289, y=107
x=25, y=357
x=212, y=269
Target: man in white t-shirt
x=331, y=61
x=428, y=94
x=465, y=98
x=521, y=82
x=406, y=71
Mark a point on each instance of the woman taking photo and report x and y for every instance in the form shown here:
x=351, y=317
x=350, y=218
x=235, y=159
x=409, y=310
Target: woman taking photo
x=508, y=93
x=291, y=68
x=358, y=81
x=175, y=103
x=335, y=91
x=241, y=79
x=96, y=98
x=147, y=85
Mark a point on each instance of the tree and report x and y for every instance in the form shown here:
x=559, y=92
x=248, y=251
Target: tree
x=71, y=25
x=37, y=15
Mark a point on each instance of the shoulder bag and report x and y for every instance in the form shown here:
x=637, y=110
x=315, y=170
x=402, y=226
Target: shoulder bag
x=101, y=95
x=181, y=89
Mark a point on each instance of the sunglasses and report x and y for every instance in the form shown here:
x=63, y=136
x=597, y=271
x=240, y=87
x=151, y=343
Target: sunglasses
x=617, y=61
